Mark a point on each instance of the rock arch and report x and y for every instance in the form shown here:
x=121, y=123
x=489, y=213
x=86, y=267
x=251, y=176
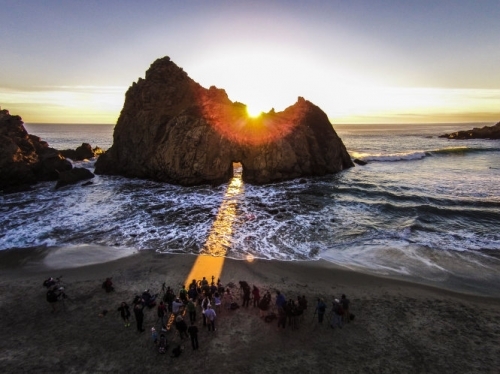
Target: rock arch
x=171, y=129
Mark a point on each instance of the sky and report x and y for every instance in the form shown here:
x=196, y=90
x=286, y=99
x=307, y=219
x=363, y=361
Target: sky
x=361, y=61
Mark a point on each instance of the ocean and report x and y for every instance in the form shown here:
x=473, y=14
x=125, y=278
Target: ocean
x=424, y=208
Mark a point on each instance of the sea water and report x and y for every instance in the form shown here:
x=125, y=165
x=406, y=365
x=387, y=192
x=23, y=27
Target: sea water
x=423, y=207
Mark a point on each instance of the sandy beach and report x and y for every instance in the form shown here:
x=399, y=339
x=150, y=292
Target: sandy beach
x=399, y=327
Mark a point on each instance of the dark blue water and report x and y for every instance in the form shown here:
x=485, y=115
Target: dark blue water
x=423, y=207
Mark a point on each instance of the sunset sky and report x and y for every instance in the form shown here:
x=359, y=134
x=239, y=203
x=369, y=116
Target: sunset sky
x=367, y=61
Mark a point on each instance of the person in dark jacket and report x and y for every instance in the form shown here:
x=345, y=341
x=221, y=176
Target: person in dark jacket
x=139, y=316
x=181, y=326
x=193, y=333
x=125, y=313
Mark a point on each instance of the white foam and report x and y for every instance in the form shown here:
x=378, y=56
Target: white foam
x=83, y=255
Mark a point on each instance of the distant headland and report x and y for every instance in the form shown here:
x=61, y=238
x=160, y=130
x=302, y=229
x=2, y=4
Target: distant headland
x=486, y=132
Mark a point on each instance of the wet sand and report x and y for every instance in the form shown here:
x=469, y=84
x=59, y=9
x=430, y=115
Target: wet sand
x=399, y=327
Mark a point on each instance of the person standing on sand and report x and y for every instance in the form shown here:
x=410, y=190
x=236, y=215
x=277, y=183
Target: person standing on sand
x=162, y=311
x=181, y=326
x=228, y=299
x=256, y=296
x=338, y=312
x=193, y=333
x=205, y=304
x=177, y=306
x=210, y=315
x=125, y=313
x=246, y=296
x=191, y=308
x=320, y=309
x=217, y=301
x=139, y=316
x=344, y=301
x=280, y=300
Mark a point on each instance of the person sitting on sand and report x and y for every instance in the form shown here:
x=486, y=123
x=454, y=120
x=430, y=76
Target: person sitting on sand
x=125, y=313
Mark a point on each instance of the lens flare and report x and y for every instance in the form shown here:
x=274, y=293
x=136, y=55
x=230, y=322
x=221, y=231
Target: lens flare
x=253, y=112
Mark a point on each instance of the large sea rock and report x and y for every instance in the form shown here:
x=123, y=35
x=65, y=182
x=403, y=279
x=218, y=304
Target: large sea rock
x=25, y=159
x=486, y=132
x=172, y=129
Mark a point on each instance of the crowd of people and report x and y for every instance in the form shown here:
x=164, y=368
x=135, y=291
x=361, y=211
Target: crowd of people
x=179, y=311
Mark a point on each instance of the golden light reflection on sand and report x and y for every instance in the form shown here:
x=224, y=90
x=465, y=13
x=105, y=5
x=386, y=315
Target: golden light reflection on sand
x=211, y=259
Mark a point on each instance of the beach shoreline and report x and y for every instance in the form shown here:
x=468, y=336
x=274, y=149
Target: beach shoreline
x=399, y=326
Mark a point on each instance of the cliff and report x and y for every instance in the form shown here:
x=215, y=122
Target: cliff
x=25, y=159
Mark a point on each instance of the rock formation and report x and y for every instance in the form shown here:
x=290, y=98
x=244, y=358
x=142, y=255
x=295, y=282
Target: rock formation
x=486, y=132
x=25, y=159
x=73, y=176
x=173, y=130
x=81, y=153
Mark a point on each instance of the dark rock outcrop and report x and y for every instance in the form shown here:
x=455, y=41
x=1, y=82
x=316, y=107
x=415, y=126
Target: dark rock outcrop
x=357, y=161
x=486, y=132
x=81, y=153
x=171, y=129
x=73, y=176
x=25, y=159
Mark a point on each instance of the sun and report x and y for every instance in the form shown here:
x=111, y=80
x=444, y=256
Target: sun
x=253, y=112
